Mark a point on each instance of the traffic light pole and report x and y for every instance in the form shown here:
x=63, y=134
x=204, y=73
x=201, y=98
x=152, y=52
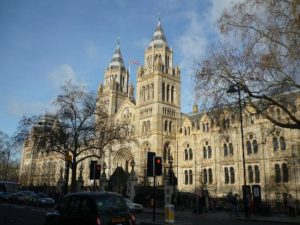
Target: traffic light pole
x=94, y=177
x=154, y=196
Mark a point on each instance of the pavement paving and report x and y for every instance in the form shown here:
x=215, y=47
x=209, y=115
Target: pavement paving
x=183, y=217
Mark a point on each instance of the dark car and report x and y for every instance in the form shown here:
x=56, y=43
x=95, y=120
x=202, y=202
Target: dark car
x=4, y=196
x=91, y=208
x=18, y=197
x=41, y=199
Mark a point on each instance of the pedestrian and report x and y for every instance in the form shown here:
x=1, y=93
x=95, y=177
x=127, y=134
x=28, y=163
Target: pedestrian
x=291, y=205
x=235, y=206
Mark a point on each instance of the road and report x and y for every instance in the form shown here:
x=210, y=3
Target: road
x=20, y=215
x=25, y=215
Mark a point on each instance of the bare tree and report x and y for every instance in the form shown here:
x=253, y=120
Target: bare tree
x=259, y=57
x=80, y=129
x=9, y=163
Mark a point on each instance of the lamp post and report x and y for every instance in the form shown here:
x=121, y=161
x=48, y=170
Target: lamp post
x=103, y=179
x=172, y=178
x=237, y=89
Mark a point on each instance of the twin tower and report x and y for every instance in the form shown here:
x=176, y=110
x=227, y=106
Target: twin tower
x=157, y=102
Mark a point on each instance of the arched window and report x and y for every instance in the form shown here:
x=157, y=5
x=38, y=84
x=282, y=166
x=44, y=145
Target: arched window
x=191, y=176
x=189, y=130
x=250, y=174
x=170, y=126
x=226, y=174
x=186, y=177
x=205, y=176
x=144, y=94
x=257, y=174
x=230, y=149
x=277, y=173
x=225, y=150
x=172, y=94
x=166, y=125
x=204, y=152
x=165, y=154
x=249, y=148
x=168, y=92
x=232, y=176
x=152, y=90
x=282, y=143
x=210, y=177
x=275, y=144
x=185, y=133
x=163, y=91
x=148, y=92
x=209, y=152
x=223, y=124
x=190, y=154
x=186, y=155
x=285, y=173
x=255, y=146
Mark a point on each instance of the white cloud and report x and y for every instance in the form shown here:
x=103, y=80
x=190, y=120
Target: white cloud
x=62, y=74
x=218, y=8
x=193, y=42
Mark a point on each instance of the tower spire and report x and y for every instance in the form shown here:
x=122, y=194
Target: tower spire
x=159, y=38
x=117, y=59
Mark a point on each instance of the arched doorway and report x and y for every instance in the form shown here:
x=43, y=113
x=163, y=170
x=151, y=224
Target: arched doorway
x=118, y=181
x=122, y=159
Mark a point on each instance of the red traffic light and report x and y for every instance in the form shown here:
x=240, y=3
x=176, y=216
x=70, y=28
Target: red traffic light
x=158, y=166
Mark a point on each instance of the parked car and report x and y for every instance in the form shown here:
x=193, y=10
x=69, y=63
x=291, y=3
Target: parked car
x=91, y=208
x=4, y=196
x=134, y=207
x=41, y=199
x=18, y=197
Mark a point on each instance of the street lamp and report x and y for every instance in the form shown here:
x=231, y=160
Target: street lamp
x=172, y=178
x=237, y=89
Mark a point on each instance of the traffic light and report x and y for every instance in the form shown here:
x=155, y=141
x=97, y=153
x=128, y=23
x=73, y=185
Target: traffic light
x=150, y=158
x=97, y=171
x=158, y=166
x=92, y=169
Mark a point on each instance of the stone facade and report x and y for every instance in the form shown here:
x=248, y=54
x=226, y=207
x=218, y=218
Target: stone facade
x=206, y=148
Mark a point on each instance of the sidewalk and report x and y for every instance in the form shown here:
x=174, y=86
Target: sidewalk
x=181, y=217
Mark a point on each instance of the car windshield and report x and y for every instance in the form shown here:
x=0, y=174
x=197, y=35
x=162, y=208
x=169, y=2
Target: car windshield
x=111, y=203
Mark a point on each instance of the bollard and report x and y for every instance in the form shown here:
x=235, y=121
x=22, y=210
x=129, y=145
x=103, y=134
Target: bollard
x=169, y=213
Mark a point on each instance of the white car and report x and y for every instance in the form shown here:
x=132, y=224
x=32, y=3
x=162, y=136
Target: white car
x=134, y=207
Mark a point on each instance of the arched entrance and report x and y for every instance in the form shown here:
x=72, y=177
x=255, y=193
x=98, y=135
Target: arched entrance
x=118, y=181
x=123, y=158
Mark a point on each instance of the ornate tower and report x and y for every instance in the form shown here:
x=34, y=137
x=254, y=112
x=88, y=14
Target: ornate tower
x=115, y=88
x=158, y=97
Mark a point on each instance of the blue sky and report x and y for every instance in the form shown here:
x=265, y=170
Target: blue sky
x=45, y=42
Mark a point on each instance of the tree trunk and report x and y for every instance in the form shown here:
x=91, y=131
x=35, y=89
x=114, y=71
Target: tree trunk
x=73, y=181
